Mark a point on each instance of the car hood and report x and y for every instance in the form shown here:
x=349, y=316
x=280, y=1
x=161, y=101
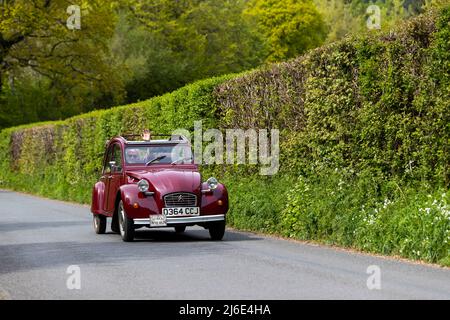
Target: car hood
x=170, y=180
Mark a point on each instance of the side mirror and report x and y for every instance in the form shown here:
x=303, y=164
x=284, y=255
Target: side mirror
x=112, y=165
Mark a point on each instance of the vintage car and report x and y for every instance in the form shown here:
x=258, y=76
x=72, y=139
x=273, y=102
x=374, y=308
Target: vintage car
x=155, y=183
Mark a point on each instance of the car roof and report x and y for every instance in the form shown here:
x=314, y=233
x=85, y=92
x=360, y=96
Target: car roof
x=170, y=140
x=154, y=142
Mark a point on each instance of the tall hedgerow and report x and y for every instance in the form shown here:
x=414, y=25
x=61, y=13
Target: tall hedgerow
x=63, y=159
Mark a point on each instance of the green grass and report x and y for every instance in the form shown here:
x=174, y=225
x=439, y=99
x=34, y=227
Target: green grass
x=344, y=209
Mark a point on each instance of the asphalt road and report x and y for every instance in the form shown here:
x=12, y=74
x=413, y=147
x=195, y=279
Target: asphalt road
x=40, y=239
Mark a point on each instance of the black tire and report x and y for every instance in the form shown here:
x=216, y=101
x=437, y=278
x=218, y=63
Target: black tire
x=217, y=230
x=115, y=223
x=180, y=229
x=126, y=225
x=99, y=224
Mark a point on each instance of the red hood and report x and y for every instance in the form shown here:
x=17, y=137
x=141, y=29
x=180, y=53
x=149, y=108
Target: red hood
x=165, y=181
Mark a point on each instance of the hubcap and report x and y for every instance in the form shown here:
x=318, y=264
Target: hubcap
x=122, y=219
x=95, y=222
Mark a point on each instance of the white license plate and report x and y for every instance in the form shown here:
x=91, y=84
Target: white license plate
x=175, y=212
x=158, y=220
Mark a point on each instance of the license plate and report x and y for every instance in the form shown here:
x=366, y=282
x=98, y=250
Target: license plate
x=175, y=212
x=158, y=220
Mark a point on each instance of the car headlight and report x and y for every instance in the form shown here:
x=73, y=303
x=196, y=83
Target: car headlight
x=143, y=185
x=212, y=183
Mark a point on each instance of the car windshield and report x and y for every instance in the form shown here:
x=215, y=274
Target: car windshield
x=154, y=154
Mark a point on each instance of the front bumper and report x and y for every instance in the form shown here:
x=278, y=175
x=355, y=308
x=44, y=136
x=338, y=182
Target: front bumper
x=183, y=220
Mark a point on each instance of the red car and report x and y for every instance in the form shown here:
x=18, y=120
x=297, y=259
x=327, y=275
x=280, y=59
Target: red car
x=154, y=184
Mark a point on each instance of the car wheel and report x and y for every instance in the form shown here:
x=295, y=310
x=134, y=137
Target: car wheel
x=180, y=229
x=115, y=223
x=126, y=225
x=217, y=230
x=99, y=224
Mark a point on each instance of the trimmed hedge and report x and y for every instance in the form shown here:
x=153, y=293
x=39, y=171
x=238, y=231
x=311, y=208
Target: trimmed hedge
x=365, y=137
x=378, y=103
x=63, y=159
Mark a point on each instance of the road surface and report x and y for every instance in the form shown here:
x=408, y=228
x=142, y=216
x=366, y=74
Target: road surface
x=40, y=239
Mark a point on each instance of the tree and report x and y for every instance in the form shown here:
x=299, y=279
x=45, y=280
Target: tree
x=435, y=3
x=167, y=44
x=290, y=27
x=339, y=18
x=350, y=17
x=36, y=41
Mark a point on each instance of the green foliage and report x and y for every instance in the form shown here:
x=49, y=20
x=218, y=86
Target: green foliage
x=255, y=202
x=436, y=3
x=47, y=66
x=370, y=102
x=360, y=211
x=289, y=27
x=350, y=17
x=339, y=18
x=63, y=159
x=167, y=44
x=131, y=50
x=17, y=98
x=377, y=108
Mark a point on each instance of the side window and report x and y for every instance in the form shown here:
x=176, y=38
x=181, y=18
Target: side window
x=117, y=157
x=107, y=166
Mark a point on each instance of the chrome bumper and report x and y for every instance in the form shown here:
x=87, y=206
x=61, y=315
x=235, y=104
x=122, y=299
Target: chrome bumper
x=184, y=220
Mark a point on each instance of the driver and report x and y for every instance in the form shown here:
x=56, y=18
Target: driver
x=133, y=156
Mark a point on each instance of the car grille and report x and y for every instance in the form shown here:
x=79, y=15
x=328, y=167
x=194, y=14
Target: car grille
x=180, y=199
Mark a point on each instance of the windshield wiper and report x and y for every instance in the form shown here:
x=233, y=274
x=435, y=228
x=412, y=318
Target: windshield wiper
x=156, y=159
x=181, y=160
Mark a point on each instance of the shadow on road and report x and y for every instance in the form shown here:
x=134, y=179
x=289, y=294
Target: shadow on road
x=11, y=227
x=110, y=249
x=168, y=235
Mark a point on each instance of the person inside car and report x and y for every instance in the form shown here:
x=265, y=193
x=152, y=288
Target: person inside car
x=133, y=156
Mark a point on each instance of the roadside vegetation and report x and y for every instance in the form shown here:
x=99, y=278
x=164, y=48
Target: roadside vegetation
x=364, y=141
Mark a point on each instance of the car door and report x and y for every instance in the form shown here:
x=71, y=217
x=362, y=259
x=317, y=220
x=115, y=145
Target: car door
x=106, y=176
x=115, y=176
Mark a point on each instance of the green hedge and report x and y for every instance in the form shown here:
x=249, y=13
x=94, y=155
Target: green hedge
x=377, y=103
x=63, y=159
x=365, y=137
